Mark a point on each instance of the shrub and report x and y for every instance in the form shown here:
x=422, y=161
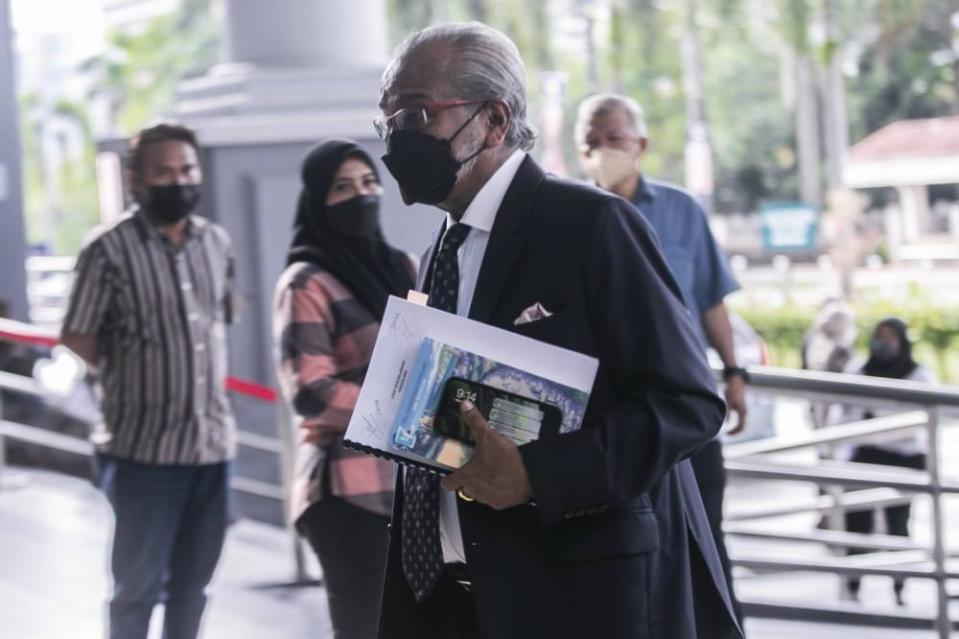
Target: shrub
x=933, y=327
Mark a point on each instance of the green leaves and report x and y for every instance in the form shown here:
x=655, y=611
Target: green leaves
x=933, y=327
x=139, y=71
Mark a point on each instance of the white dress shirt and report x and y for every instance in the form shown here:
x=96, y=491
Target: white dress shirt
x=480, y=216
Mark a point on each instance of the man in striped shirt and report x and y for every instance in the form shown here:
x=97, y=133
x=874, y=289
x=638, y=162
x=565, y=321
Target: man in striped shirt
x=150, y=300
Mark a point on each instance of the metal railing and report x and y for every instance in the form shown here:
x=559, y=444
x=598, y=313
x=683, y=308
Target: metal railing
x=48, y=282
x=282, y=445
x=922, y=406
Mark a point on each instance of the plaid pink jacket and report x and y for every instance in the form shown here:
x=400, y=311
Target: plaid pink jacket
x=324, y=339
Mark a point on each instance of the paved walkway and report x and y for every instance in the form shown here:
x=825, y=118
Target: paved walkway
x=53, y=576
x=54, y=581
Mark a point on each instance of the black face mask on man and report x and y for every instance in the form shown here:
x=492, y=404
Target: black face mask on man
x=173, y=202
x=356, y=217
x=424, y=166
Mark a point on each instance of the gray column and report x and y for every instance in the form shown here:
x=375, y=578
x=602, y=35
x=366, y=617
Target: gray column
x=294, y=72
x=13, y=279
x=306, y=33
x=914, y=202
x=835, y=119
x=807, y=132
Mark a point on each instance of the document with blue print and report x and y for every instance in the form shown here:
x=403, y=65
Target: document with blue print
x=421, y=352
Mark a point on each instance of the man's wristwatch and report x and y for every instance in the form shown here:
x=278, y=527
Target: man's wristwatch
x=735, y=371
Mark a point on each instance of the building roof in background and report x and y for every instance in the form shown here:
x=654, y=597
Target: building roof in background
x=926, y=138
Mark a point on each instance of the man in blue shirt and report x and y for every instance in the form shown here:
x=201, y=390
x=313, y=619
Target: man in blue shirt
x=611, y=138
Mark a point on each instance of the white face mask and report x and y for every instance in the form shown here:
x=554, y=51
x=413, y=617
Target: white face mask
x=609, y=167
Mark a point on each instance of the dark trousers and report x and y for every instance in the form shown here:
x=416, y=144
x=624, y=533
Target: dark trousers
x=351, y=544
x=711, y=478
x=448, y=612
x=897, y=517
x=169, y=531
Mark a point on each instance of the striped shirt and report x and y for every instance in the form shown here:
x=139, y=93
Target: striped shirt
x=324, y=338
x=158, y=313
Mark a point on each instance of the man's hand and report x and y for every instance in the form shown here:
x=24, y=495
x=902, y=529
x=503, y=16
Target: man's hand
x=736, y=400
x=495, y=475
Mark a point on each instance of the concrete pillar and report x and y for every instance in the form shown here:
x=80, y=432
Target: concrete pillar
x=914, y=202
x=834, y=115
x=807, y=133
x=306, y=33
x=317, y=63
x=13, y=279
x=294, y=72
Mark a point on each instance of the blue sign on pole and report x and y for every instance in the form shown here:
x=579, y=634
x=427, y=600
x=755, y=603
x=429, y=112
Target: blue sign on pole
x=789, y=226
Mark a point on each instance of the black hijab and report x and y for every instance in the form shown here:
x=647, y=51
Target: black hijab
x=903, y=365
x=367, y=266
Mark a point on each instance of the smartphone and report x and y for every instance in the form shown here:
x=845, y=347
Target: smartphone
x=519, y=418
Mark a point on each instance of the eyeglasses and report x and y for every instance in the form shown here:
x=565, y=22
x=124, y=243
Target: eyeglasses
x=414, y=118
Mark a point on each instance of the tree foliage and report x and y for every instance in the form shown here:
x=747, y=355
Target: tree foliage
x=139, y=70
x=136, y=75
x=898, y=59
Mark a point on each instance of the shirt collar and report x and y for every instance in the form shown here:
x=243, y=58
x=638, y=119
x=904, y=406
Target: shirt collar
x=195, y=226
x=481, y=213
x=645, y=191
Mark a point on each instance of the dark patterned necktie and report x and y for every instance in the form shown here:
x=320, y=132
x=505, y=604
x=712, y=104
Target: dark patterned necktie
x=422, y=553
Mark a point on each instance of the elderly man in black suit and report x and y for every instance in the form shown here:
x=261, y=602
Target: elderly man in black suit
x=596, y=533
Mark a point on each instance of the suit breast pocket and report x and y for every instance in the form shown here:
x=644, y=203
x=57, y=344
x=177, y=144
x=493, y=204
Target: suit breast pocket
x=616, y=534
x=560, y=329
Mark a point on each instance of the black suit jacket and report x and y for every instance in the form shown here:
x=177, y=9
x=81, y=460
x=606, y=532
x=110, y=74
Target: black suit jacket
x=616, y=545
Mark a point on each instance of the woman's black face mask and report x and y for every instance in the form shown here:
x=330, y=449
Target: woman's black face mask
x=356, y=217
x=424, y=166
x=882, y=351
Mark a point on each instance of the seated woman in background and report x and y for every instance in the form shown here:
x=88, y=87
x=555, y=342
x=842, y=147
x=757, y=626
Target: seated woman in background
x=890, y=356
x=328, y=306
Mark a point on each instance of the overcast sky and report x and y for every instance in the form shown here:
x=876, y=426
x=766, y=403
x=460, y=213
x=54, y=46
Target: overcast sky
x=81, y=18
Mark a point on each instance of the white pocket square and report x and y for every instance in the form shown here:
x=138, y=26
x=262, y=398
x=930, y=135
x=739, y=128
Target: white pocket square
x=534, y=313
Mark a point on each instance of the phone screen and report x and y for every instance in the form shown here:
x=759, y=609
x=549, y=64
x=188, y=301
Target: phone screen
x=519, y=418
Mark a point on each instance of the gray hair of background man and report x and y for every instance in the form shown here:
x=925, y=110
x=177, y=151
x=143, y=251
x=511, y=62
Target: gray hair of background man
x=602, y=103
x=486, y=65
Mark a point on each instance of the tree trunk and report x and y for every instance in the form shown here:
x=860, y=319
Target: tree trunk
x=807, y=132
x=834, y=101
x=698, y=151
x=585, y=9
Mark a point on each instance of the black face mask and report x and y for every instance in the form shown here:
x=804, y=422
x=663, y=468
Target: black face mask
x=882, y=351
x=424, y=166
x=356, y=217
x=173, y=202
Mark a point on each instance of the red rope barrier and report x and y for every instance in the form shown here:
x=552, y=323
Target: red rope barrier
x=251, y=389
x=20, y=333
x=31, y=337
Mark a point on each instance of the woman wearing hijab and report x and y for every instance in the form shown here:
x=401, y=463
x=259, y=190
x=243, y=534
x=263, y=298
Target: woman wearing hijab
x=328, y=306
x=890, y=356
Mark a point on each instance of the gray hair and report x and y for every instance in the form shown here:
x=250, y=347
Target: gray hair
x=485, y=65
x=603, y=103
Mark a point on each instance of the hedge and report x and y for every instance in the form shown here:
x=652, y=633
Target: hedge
x=934, y=328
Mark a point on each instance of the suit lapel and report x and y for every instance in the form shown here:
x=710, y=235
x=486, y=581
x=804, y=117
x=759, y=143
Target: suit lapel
x=426, y=260
x=505, y=242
